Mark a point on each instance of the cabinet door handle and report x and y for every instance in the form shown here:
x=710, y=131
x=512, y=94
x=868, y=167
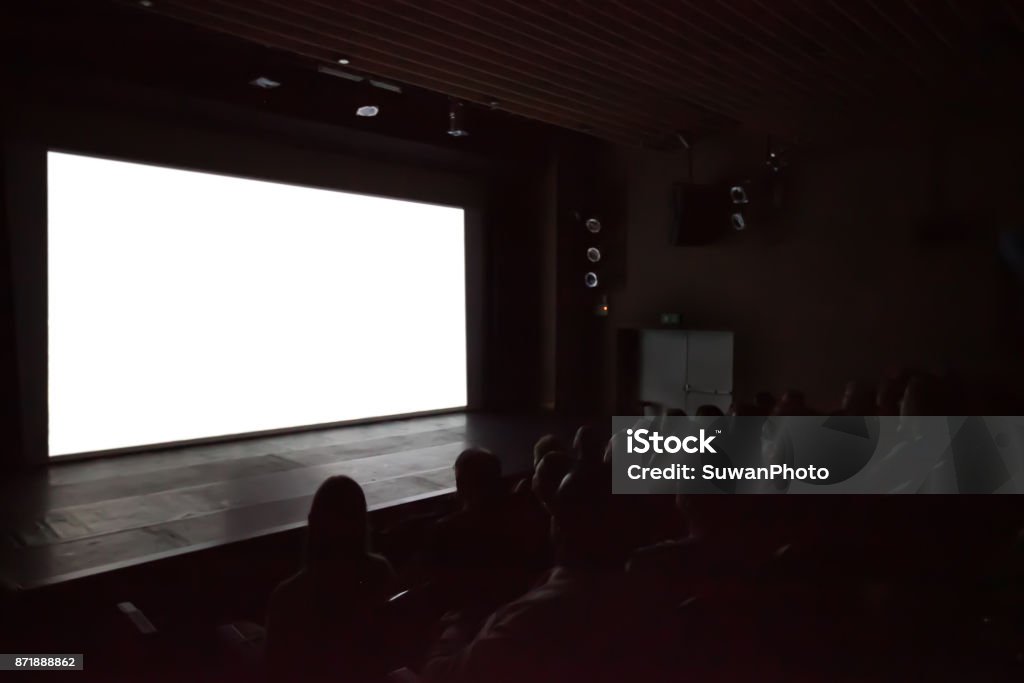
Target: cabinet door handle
x=697, y=390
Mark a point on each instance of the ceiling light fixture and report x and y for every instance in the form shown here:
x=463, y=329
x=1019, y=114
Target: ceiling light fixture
x=331, y=71
x=342, y=60
x=265, y=83
x=390, y=87
x=369, y=102
x=456, y=120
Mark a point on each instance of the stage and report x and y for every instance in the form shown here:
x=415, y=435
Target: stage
x=79, y=519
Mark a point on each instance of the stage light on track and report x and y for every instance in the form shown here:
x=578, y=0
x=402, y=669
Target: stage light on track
x=368, y=111
x=590, y=280
x=738, y=194
x=593, y=225
x=593, y=254
x=456, y=120
x=738, y=222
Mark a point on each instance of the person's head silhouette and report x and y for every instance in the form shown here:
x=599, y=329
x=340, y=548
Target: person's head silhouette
x=546, y=444
x=477, y=477
x=549, y=475
x=338, y=522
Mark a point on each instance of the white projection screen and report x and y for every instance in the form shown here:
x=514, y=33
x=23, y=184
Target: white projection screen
x=186, y=305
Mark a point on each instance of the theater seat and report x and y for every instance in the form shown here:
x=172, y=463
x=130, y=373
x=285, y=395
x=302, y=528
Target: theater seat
x=241, y=644
x=413, y=614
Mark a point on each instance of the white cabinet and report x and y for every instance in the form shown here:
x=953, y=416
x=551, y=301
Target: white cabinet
x=686, y=368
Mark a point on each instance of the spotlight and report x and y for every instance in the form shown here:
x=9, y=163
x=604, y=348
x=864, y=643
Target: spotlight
x=456, y=120
x=593, y=254
x=342, y=60
x=738, y=223
x=590, y=280
x=738, y=194
x=369, y=98
x=265, y=83
x=593, y=225
x=602, y=307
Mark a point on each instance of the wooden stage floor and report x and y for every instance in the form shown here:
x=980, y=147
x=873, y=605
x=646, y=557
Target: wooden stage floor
x=78, y=519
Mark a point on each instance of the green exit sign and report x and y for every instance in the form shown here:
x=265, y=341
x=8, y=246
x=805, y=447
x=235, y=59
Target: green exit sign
x=670, y=319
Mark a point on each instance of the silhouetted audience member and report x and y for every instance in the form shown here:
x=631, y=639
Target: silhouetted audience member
x=907, y=465
x=327, y=622
x=544, y=445
x=858, y=399
x=890, y=393
x=617, y=442
x=548, y=476
x=477, y=479
x=547, y=444
x=792, y=403
x=921, y=455
x=741, y=409
x=530, y=512
x=925, y=395
x=477, y=554
x=724, y=537
x=708, y=410
x=588, y=445
x=764, y=403
x=9, y=594
x=580, y=624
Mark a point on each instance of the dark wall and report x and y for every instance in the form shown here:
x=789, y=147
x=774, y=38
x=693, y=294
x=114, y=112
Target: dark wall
x=10, y=412
x=518, y=212
x=591, y=183
x=884, y=258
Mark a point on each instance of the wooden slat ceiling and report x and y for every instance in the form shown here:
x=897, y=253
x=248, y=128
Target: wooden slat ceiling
x=638, y=70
